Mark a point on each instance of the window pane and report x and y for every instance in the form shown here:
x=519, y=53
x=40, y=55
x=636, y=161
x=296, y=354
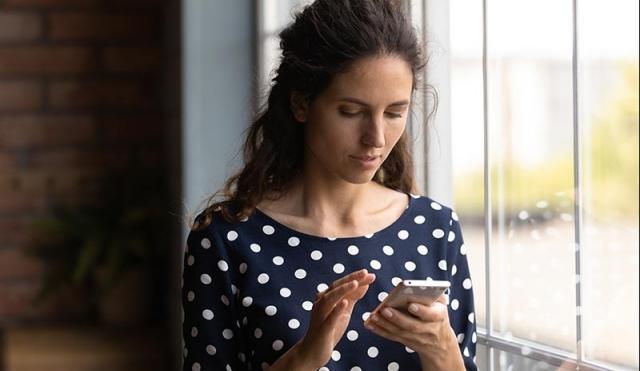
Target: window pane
x=467, y=132
x=505, y=361
x=531, y=152
x=608, y=83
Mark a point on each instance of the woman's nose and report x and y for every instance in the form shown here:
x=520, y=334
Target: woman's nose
x=374, y=131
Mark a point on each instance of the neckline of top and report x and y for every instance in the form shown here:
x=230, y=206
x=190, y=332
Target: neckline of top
x=405, y=214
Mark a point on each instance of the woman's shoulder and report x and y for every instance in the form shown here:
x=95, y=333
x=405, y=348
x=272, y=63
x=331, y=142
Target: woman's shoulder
x=435, y=209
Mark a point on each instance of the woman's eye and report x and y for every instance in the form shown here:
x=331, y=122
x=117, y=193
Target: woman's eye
x=393, y=115
x=349, y=114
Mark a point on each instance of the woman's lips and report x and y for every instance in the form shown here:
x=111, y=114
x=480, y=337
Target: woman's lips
x=367, y=161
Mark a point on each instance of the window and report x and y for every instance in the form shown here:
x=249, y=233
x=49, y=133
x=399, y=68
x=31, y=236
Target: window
x=535, y=143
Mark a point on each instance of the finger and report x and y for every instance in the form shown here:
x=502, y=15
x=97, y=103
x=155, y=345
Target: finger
x=385, y=332
x=328, y=300
x=428, y=313
x=362, y=276
x=444, y=299
x=337, y=312
x=393, y=319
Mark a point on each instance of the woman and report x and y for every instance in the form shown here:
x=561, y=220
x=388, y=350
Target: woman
x=322, y=222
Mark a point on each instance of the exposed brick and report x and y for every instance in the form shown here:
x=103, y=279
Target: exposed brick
x=20, y=95
x=45, y=60
x=132, y=59
x=15, y=264
x=127, y=130
x=100, y=94
x=17, y=303
x=50, y=3
x=15, y=231
x=100, y=26
x=28, y=131
x=19, y=26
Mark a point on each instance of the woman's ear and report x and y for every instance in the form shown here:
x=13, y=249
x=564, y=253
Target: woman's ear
x=299, y=106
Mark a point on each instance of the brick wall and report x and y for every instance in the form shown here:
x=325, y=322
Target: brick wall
x=81, y=93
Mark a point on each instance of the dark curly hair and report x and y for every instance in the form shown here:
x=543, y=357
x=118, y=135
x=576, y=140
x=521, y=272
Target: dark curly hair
x=325, y=39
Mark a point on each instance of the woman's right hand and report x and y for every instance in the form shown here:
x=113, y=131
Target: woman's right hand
x=330, y=316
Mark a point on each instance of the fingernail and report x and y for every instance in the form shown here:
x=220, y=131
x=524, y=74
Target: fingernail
x=387, y=313
x=413, y=308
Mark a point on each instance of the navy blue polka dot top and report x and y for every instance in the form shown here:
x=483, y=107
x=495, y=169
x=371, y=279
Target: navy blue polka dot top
x=248, y=288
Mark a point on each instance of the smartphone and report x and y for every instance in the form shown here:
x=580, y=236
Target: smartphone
x=413, y=291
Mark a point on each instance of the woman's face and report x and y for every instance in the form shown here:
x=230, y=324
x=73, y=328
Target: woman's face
x=352, y=126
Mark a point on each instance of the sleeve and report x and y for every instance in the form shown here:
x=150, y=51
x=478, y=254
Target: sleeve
x=461, y=306
x=210, y=328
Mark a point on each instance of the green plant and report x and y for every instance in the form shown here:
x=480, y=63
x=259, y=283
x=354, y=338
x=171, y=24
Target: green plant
x=120, y=230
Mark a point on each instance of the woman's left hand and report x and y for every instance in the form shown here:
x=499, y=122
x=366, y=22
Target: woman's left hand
x=426, y=331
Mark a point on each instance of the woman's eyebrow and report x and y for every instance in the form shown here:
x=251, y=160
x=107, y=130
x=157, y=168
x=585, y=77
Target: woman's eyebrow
x=363, y=103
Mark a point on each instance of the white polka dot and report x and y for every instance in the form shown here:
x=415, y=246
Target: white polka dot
x=205, y=278
x=242, y=357
x=335, y=355
x=452, y=236
x=247, y=301
x=195, y=367
x=410, y=266
x=455, y=304
x=471, y=317
x=294, y=323
x=232, y=235
x=395, y=281
x=190, y=260
x=227, y=333
x=466, y=283
x=382, y=296
x=257, y=333
x=242, y=268
x=285, y=292
x=207, y=314
x=223, y=266
x=369, y=235
x=263, y=278
x=375, y=264
x=393, y=366
x=354, y=368
x=436, y=206
x=454, y=216
x=352, y=335
x=403, y=235
x=271, y=310
x=267, y=229
x=255, y=247
x=409, y=350
x=465, y=352
x=338, y=268
x=463, y=250
x=365, y=315
x=454, y=270
x=205, y=243
x=419, y=219
x=191, y=295
x=234, y=289
x=211, y=350
x=372, y=352
x=278, y=260
x=323, y=369
x=293, y=241
x=388, y=250
x=322, y=287
x=460, y=338
x=438, y=233
x=414, y=195
x=422, y=250
x=224, y=300
x=474, y=337
x=307, y=305
x=353, y=250
x=277, y=345
x=442, y=264
x=316, y=255
x=194, y=331
x=228, y=368
x=300, y=273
